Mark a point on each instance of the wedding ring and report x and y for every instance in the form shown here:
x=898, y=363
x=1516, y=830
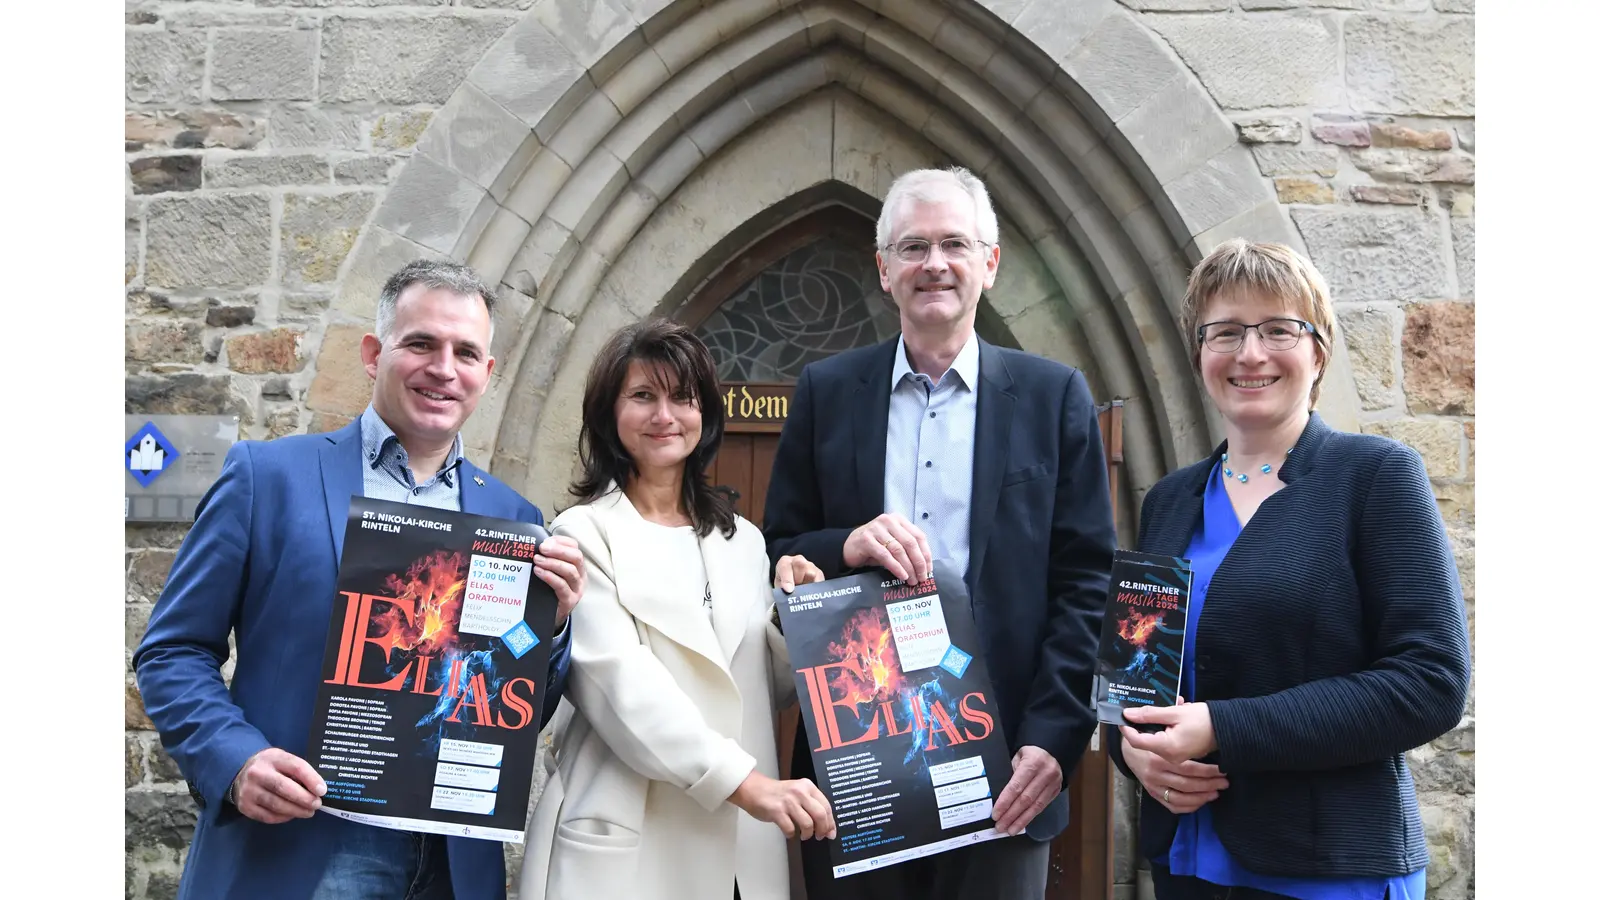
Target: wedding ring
x=1166, y=795
x=891, y=543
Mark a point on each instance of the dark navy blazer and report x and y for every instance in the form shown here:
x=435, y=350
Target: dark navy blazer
x=1333, y=639
x=261, y=562
x=1042, y=534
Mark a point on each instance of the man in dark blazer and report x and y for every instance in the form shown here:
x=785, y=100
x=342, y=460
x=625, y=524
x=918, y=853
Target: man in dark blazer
x=260, y=563
x=940, y=445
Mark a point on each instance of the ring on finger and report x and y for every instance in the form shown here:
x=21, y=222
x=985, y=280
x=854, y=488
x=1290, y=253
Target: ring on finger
x=1166, y=796
x=891, y=543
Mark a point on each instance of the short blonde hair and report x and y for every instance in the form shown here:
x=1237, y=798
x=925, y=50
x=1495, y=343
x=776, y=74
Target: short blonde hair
x=1270, y=270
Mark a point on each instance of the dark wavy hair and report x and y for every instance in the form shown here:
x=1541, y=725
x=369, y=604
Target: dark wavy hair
x=675, y=356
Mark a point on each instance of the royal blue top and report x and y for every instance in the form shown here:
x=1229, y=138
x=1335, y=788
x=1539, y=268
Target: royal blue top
x=1196, y=849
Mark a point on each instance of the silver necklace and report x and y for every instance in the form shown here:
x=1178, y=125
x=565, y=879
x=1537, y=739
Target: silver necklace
x=1245, y=478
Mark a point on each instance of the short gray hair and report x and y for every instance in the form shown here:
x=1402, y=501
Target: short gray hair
x=923, y=185
x=435, y=273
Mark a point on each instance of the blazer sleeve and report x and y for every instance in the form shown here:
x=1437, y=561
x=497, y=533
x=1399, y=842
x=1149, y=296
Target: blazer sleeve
x=178, y=664
x=793, y=522
x=1058, y=717
x=632, y=701
x=1415, y=688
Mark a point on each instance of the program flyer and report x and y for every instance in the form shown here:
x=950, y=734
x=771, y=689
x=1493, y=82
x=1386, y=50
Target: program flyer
x=902, y=721
x=1141, y=637
x=434, y=673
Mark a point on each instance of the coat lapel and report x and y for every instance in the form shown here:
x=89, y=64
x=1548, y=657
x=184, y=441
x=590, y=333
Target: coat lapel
x=475, y=497
x=991, y=447
x=652, y=586
x=871, y=406
x=730, y=607
x=341, y=479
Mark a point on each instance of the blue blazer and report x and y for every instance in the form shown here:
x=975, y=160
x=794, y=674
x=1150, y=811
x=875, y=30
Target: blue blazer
x=1042, y=535
x=261, y=562
x=1333, y=639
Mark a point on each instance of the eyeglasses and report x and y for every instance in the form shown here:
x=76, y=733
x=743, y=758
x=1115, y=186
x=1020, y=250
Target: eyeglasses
x=956, y=249
x=1275, y=334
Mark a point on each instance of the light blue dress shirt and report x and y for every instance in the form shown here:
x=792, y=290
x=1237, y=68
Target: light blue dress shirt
x=927, y=464
x=387, y=473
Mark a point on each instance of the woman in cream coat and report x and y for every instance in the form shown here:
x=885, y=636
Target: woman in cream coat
x=664, y=781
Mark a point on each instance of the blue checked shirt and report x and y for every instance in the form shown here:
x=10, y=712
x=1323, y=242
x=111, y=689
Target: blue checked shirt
x=387, y=473
x=927, y=463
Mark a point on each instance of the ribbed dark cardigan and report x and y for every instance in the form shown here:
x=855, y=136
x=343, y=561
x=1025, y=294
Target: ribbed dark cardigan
x=1332, y=640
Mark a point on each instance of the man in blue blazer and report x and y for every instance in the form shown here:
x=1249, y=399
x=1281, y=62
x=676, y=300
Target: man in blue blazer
x=261, y=562
x=940, y=445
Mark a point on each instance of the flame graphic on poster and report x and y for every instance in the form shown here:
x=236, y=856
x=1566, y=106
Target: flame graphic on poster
x=435, y=585
x=871, y=667
x=1137, y=628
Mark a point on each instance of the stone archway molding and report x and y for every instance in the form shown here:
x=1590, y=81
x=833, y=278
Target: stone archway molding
x=1114, y=169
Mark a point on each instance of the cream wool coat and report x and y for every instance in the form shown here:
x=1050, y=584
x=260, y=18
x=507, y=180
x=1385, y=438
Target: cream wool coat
x=665, y=714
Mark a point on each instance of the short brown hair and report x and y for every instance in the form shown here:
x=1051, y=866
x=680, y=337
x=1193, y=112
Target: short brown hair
x=1272, y=270
x=675, y=355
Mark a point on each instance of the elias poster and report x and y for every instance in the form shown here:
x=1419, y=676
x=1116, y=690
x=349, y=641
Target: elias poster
x=903, y=723
x=434, y=674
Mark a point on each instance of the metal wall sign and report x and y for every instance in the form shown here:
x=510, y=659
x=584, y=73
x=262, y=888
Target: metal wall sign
x=170, y=462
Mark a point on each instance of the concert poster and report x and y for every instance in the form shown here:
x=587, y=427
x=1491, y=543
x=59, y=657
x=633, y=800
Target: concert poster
x=902, y=721
x=433, y=679
x=1141, y=636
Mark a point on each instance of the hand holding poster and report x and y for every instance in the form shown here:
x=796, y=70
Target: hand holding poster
x=1141, y=636
x=902, y=721
x=434, y=674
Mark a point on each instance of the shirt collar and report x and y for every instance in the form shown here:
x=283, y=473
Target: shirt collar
x=965, y=364
x=379, y=442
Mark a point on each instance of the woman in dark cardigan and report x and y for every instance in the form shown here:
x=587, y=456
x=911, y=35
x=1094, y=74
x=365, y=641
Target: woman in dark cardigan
x=1326, y=632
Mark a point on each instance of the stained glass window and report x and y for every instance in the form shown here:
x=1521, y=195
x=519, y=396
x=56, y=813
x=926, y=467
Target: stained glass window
x=809, y=305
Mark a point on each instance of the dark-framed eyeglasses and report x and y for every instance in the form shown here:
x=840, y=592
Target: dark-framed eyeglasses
x=955, y=249
x=1275, y=334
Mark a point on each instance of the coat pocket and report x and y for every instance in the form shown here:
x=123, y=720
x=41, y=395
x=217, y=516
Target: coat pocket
x=593, y=858
x=1020, y=475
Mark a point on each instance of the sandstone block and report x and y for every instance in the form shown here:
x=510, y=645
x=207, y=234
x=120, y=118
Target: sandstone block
x=400, y=130
x=1411, y=65
x=1344, y=132
x=1270, y=130
x=1439, y=771
x=163, y=768
x=1388, y=134
x=163, y=66
x=1463, y=238
x=475, y=136
x=133, y=717
x=1249, y=62
x=1460, y=201
x=265, y=171
x=322, y=423
x=161, y=174
x=261, y=352
x=1438, y=441
x=303, y=128
x=208, y=240
x=1228, y=185
x=1297, y=161
x=185, y=129
x=230, y=315
x=180, y=394
x=1381, y=5
x=147, y=573
x=1375, y=254
x=318, y=232
x=587, y=28
x=1176, y=5
x=1398, y=194
x=527, y=71
x=1454, y=6
x=154, y=535
x=159, y=818
x=302, y=307
x=263, y=64
x=281, y=422
x=1369, y=334
x=1448, y=829
x=132, y=238
x=1058, y=28
x=1438, y=350
x=136, y=621
x=402, y=60
x=133, y=767
x=341, y=386
x=1303, y=190
x=163, y=342
x=430, y=204
x=1120, y=63
x=365, y=170
x=1419, y=166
